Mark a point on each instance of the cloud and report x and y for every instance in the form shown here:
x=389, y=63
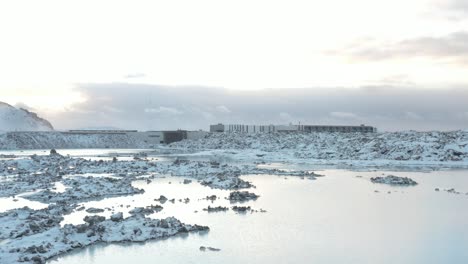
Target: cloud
x=135, y=75
x=451, y=48
x=164, y=110
x=112, y=109
x=153, y=107
x=208, y=116
x=223, y=109
x=457, y=8
x=24, y=106
x=461, y=5
x=285, y=116
x=344, y=115
x=413, y=116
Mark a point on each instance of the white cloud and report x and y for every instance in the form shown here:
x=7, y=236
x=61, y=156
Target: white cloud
x=344, y=115
x=412, y=115
x=24, y=106
x=164, y=110
x=111, y=109
x=223, y=109
x=448, y=48
x=135, y=75
x=464, y=116
x=285, y=116
x=208, y=116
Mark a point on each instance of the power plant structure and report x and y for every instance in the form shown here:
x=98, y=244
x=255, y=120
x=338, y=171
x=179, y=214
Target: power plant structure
x=290, y=128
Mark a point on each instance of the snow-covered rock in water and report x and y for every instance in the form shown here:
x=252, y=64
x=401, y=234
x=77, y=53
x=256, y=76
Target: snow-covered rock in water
x=87, y=188
x=24, y=221
x=203, y=248
x=14, y=119
x=210, y=209
x=394, y=180
x=41, y=246
x=93, y=210
x=244, y=196
x=225, y=182
x=146, y=210
x=241, y=209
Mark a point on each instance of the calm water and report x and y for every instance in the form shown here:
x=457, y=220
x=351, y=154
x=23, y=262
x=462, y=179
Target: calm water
x=339, y=218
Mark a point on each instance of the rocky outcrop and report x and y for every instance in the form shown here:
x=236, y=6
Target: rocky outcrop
x=394, y=180
x=50, y=242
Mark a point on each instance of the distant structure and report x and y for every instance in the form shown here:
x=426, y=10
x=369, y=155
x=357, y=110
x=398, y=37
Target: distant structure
x=151, y=137
x=289, y=128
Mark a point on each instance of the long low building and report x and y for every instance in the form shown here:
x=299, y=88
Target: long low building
x=315, y=128
x=289, y=128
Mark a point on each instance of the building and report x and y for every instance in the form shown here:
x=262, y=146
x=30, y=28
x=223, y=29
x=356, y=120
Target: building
x=217, y=128
x=361, y=128
x=289, y=128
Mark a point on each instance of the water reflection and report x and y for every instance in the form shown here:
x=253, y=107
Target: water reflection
x=9, y=203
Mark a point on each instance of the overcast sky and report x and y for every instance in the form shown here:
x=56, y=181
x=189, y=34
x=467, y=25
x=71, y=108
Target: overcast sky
x=184, y=64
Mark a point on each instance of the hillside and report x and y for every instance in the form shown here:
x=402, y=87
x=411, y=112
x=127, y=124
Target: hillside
x=19, y=119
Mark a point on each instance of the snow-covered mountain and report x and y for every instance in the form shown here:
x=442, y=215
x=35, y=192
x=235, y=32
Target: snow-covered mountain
x=14, y=119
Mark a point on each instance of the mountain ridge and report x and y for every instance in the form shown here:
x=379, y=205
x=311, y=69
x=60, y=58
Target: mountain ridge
x=20, y=119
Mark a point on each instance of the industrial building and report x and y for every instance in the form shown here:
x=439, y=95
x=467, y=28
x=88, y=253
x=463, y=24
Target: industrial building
x=361, y=128
x=289, y=128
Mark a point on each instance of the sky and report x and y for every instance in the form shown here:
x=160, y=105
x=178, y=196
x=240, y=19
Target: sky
x=398, y=65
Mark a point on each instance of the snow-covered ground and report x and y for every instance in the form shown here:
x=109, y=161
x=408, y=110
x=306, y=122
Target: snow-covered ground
x=18, y=119
x=58, y=140
x=398, y=148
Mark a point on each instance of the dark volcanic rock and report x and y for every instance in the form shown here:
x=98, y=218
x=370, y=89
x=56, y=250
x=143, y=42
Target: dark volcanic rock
x=93, y=210
x=117, y=217
x=243, y=196
x=94, y=219
x=241, y=209
x=146, y=210
x=210, y=209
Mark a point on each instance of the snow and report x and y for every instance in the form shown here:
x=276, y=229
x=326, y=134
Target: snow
x=40, y=174
x=13, y=119
x=450, y=148
x=411, y=147
x=59, y=140
x=39, y=247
